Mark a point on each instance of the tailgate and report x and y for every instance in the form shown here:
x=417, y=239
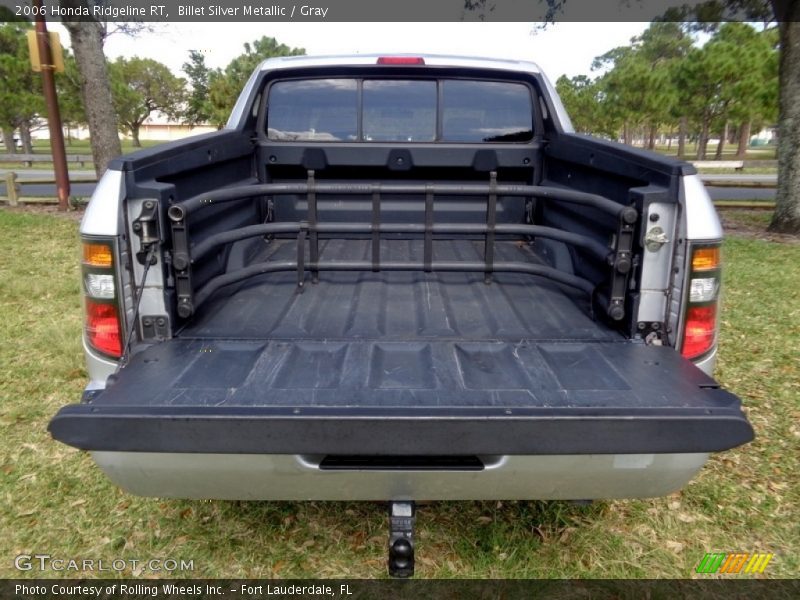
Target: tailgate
x=400, y=398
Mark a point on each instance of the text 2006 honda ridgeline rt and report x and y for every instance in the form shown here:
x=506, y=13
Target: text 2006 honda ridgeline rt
x=400, y=278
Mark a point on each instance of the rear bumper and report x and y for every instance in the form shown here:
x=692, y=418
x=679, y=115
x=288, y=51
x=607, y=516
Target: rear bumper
x=720, y=425
x=296, y=477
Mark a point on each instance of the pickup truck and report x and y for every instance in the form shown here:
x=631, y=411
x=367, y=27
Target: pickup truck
x=400, y=278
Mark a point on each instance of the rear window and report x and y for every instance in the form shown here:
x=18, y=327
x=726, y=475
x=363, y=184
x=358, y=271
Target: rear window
x=486, y=111
x=314, y=109
x=399, y=110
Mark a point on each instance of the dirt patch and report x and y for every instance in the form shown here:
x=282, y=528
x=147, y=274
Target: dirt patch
x=753, y=225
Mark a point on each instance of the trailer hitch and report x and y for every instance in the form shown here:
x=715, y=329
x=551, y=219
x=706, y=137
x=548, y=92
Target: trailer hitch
x=401, y=538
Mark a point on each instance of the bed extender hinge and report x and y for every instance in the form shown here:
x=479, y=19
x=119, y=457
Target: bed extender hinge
x=146, y=228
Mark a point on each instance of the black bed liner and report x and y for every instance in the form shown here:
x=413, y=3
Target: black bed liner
x=399, y=306
x=370, y=397
x=404, y=364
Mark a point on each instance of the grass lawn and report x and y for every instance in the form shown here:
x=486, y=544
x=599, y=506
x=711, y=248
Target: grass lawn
x=55, y=501
x=728, y=153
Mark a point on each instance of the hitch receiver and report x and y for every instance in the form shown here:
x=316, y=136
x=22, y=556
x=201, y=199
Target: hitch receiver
x=401, y=538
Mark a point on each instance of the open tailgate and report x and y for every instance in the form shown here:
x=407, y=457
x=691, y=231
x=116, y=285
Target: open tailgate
x=401, y=398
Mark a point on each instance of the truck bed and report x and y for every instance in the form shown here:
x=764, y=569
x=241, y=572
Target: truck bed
x=403, y=363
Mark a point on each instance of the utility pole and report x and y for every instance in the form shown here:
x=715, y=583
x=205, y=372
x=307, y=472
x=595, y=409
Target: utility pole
x=53, y=114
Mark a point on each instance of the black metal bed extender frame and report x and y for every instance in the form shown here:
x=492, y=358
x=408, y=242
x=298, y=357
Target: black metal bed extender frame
x=618, y=257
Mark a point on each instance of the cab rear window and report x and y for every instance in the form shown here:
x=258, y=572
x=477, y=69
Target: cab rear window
x=399, y=110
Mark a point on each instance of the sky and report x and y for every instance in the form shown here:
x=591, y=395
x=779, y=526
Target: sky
x=563, y=48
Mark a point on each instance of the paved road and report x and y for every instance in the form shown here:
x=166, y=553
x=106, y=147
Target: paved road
x=86, y=189
x=734, y=193
x=730, y=193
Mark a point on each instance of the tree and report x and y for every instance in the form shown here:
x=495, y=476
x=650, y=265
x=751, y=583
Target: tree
x=711, y=13
x=587, y=106
x=198, y=109
x=578, y=96
x=665, y=45
x=224, y=86
x=20, y=88
x=786, y=218
x=752, y=96
x=728, y=79
x=640, y=84
x=708, y=15
x=87, y=37
x=141, y=86
x=639, y=90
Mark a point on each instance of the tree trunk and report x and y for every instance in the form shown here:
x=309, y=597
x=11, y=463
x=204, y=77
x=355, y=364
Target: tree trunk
x=702, y=141
x=786, y=218
x=744, y=139
x=8, y=140
x=651, y=141
x=722, y=139
x=626, y=133
x=134, y=127
x=682, y=127
x=87, y=44
x=25, y=137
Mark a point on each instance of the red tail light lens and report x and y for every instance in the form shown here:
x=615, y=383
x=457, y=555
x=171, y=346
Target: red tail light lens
x=401, y=60
x=700, y=331
x=102, y=328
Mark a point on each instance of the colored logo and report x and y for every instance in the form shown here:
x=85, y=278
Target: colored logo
x=734, y=563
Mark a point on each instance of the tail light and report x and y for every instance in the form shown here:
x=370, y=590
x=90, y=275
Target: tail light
x=101, y=303
x=700, y=318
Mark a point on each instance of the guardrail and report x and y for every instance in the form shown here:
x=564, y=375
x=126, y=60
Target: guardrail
x=28, y=159
x=14, y=191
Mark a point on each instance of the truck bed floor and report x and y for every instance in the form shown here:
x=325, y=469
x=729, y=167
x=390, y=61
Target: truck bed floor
x=398, y=306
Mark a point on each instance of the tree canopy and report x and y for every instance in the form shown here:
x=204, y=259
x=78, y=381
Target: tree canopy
x=141, y=86
x=198, y=109
x=224, y=85
x=21, y=98
x=665, y=81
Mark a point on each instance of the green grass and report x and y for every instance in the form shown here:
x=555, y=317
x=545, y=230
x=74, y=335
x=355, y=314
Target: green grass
x=55, y=501
x=728, y=153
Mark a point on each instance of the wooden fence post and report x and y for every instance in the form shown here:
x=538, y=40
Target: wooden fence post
x=12, y=191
